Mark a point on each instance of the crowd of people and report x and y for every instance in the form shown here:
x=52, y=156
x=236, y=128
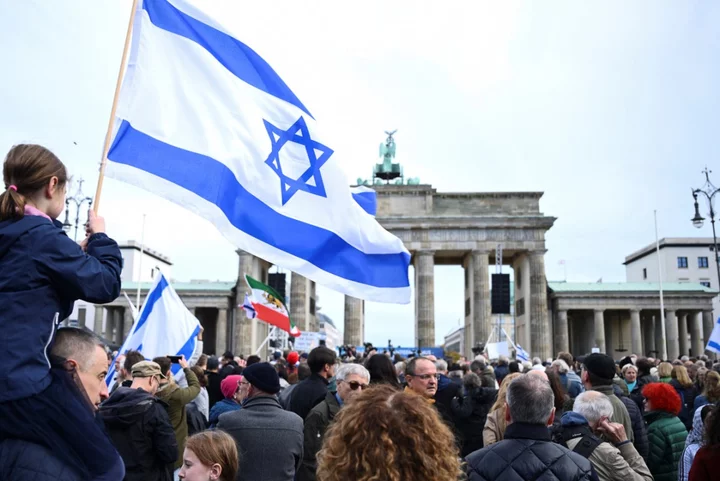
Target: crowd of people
x=307, y=416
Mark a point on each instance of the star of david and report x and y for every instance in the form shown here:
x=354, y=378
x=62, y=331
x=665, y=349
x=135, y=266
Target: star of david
x=309, y=181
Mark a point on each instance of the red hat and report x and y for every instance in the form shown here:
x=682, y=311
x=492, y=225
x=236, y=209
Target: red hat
x=229, y=385
x=293, y=358
x=663, y=397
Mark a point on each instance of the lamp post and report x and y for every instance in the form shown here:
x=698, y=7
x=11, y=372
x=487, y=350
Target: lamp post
x=78, y=199
x=709, y=191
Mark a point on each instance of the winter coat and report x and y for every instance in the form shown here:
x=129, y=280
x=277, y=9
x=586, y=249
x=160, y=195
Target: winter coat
x=501, y=371
x=42, y=273
x=527, y=453
x=611, y=463
x=224, y=406
x=316, y=424
x=640, y=438
x=693, y=443
x=687, y=397
x=24, y=461
x=269, y=439
x=202, y=403
x=487, y=377
x=495, y=425
x=140, y=429
x=177, y=398
x=706, y=465
x=700, y=401
x=447, y=391
x=666, y=434
x=471, y=412
x=308, y=394
x=572, y=387
x=215, y=395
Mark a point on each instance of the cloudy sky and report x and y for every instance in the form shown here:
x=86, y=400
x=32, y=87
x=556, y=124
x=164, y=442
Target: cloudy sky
x=610, y=108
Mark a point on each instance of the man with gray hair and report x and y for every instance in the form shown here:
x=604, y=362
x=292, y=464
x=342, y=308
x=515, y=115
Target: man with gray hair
x=351, y=379
x=484, y=372
x=580, y=431
x=527, y=451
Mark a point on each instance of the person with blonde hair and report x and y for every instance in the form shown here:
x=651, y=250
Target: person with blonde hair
x=664, y=372
x=388, y=435
x=209, y=455
x=495, y=423
x=686, y=390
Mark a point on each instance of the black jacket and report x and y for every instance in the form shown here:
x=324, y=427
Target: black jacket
x=641, y=443
x=528, y=453
x=24, y=461
x=471, y=412
x=308, y=394
x=140, y=429
x=316, y=424
x=447, y=391
x=501, y=371
x=215, y=395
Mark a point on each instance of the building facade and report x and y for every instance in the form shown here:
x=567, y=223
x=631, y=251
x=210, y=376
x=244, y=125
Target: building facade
x=686, y=260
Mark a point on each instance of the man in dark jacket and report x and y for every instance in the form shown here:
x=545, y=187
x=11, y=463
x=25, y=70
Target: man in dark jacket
x=502, y=369
x=527, y=452
x=214, y=379
x=269, y=439
x=486, y=375
x=352, y=379
x=310, y=392
x=139, y=426
x=471, y=412
x=447, y=391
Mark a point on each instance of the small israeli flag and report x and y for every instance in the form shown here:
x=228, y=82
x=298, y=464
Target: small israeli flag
x=521, y=354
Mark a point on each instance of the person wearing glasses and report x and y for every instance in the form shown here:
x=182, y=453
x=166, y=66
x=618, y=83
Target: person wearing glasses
x=421, y=377
x=351, y=379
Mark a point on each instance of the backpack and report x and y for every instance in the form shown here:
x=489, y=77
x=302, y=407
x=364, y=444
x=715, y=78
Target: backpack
x=588, y=441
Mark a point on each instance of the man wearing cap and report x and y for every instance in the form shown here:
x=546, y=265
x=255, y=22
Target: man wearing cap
x=139, y=426
x=269, y=439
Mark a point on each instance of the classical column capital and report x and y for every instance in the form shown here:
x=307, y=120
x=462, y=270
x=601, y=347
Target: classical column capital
x=635, y=311
x=424, y=252
x=599, y=310
x=537, y=252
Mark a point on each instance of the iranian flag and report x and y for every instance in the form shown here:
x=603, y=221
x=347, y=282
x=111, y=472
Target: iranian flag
x=267, y=305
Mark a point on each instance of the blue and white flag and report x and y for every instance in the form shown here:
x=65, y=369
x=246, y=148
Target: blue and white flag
x=164, y=327
x=521, y=354
x=366, y=198
x=205, y=122
x=714, y=341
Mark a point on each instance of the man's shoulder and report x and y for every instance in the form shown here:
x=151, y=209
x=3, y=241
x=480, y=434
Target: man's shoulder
x=29, y=461
x=548, y=452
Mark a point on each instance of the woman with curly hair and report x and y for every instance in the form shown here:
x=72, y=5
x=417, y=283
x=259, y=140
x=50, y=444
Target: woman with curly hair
x=495, y=424
x=666, y=432
x=707, y=459
x=711, y=393
x=383, y=435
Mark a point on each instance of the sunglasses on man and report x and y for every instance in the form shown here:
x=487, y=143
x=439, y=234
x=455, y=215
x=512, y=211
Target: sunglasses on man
x=354, y=385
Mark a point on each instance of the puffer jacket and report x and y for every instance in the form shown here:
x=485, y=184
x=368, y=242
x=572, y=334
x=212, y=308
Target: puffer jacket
x=24, y=461
x=527, y=453
x=666, y=434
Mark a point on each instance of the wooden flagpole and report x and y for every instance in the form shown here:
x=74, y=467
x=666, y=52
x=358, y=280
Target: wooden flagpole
x=118, y=84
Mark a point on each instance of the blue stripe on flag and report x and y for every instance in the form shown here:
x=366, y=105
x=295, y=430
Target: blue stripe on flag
x=367, y=199
x=187, y=350
x=714, y=345
x=215, y=183
x=152, y=298
x=238, y=58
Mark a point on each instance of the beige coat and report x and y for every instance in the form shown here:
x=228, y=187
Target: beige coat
x=617, y=464
x=494, y=430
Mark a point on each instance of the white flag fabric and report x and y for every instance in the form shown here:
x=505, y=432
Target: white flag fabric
x=205, y=122
x=521, y=354
x=164, y=327
x=714, y=341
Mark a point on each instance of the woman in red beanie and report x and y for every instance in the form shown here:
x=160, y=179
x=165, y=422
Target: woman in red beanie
x=666, y=432
x=230, y=387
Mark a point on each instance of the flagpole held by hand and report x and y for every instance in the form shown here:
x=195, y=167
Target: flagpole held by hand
x=118, y=84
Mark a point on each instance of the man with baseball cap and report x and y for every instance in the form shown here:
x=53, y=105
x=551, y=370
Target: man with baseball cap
x=269, y=439
x=139, y=426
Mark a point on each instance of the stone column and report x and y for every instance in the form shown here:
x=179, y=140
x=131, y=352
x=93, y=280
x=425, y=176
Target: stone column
x=424, y=298
x=660, y=344
x=649, y=332
x=98, y=321
x=671, y=333
x=353, y=321
x=635, y=332
x=480, y=296
x=561, y=337
x=599, y=324
x=696, y=333
x=539, y=322
x=299, y=309
x=127, y=322
x=683, y=334
x=708, y=322
x=221, y=328
x=82, y=313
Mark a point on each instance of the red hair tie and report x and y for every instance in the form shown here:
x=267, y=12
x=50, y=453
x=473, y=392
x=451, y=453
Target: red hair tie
x=13, y=187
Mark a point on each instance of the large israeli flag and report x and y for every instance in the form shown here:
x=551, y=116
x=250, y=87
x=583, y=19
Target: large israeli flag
x=713, y=344
x=163, y=327
x=205, y=122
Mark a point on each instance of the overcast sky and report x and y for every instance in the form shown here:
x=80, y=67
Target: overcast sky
x=610, y=108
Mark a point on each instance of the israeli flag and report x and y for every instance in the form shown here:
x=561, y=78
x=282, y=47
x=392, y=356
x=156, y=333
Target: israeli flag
x=714, y=341
x=205, y=122
x=521, y=354
x=164, y=327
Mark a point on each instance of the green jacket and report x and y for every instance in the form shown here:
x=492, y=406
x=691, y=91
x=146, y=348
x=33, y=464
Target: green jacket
x=177, y=398
x=666, y=435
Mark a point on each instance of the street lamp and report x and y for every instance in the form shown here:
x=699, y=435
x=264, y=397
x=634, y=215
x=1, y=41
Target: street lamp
x=709, y=191
x=78, y=199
